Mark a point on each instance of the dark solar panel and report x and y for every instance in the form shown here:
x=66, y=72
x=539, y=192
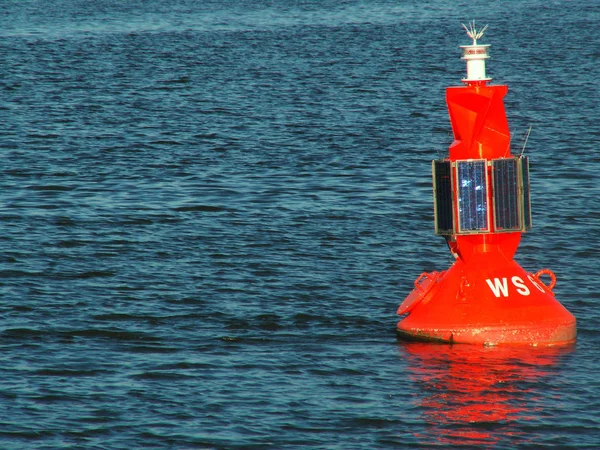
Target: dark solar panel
x=505, y=176
x=442, y=186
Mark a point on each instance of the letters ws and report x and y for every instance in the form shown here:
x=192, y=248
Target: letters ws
x=500, y=286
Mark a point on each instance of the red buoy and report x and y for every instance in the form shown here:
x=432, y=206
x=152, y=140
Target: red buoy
x=482, y=205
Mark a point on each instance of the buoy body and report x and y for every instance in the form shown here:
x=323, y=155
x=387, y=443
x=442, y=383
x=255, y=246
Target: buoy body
x=481, y=194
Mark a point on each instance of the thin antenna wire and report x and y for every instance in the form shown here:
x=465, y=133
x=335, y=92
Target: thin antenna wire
x=526, y=139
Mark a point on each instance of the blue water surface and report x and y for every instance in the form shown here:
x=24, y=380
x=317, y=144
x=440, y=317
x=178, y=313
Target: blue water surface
x=210, y=212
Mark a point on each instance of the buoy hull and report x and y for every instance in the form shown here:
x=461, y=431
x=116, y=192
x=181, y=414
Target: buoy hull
x=490, y=300
x=481, y=207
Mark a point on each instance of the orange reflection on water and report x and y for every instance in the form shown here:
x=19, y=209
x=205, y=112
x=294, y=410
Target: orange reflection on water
x=470, y=395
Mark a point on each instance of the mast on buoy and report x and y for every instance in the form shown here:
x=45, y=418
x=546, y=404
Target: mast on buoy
x=475, y=55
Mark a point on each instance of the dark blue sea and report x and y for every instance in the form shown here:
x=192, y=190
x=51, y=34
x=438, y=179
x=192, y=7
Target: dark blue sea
x=211, y=210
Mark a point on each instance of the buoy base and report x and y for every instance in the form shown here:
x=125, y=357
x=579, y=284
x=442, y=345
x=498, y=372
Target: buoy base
x=490, y=336
x=488, y=301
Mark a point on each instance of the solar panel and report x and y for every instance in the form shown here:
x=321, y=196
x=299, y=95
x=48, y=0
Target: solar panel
x=461, y=195
x=472, y=196
x=442, y=187
x=507, y=205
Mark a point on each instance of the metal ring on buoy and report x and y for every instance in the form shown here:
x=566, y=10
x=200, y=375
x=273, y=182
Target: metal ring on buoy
x=433, y=276
x=418, y=281
x=550, y=274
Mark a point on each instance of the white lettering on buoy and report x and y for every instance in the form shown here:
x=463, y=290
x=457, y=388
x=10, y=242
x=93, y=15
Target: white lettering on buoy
x=520, y=285
x=498, y=286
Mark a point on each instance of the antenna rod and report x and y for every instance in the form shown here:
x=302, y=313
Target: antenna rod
x=526, y=139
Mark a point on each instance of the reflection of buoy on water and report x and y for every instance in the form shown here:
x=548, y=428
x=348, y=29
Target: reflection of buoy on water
x=481, y=205
x=475, y=396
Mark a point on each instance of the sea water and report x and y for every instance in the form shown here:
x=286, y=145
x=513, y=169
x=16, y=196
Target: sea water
x=210, y=212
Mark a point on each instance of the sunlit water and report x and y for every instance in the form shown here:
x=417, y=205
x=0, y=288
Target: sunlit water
x=210, y=212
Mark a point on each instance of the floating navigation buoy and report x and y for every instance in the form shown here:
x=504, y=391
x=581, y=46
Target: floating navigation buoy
x=482, y=205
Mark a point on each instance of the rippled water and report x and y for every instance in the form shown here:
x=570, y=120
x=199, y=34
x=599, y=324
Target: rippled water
x=210, y=212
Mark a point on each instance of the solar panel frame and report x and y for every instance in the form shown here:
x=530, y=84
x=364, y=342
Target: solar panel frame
x=525, y=192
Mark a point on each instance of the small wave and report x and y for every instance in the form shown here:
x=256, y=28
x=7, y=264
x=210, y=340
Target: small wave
x=67, y=372
x=200, y=208
x=154, y=375
x=51, y=187
x=95, y=274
